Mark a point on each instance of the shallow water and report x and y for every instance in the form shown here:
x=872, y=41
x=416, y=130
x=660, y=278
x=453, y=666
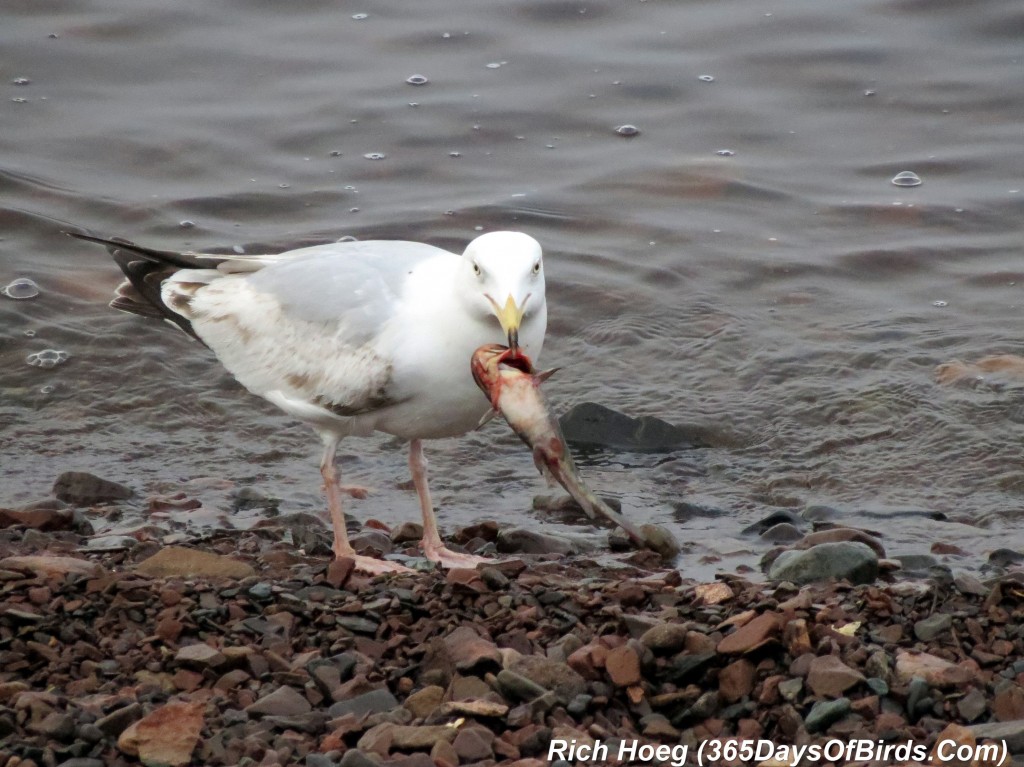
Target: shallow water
x=744, y=262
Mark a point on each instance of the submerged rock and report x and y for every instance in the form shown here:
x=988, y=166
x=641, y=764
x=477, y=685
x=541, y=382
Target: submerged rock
x=83, y=488
x=853, y=561
x=593, y=425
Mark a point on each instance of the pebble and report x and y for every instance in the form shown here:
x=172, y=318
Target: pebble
x=829, y=677
x=373, y=702
x=824, y=713
x=929, y=628
x=178, y=561
x=84, y=489
x=594, y=425
x=284, y=701
x=166, y=736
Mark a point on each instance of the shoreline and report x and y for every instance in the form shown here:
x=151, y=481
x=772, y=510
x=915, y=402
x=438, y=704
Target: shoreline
x=244, y=650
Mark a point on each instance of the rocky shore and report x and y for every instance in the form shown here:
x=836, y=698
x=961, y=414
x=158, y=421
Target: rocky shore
x=255, y=648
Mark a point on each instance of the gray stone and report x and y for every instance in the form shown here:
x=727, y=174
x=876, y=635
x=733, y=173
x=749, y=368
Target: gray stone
x=825, y=713
x=284, y=701
x=521, y=541
x=517, y=687
x=665, y=637
x=81, y=761
x=847, y=560
x=784, y=532
x=878, y=686
x=916, y=563
x=790, y=689
x=972, y=705
x=928, y=628
x=1012, y=732
x=551, y=675
x=373, y=702
x=578, y=705
x=82, y=488
x=595, y=425
x=355, y=758
x=117, y=721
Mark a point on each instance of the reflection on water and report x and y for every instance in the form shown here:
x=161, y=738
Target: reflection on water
x=743, y=258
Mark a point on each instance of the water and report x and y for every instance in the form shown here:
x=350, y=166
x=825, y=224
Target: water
x=783, y=296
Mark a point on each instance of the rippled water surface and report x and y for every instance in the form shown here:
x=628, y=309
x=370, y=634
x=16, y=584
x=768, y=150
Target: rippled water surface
x=742, y=260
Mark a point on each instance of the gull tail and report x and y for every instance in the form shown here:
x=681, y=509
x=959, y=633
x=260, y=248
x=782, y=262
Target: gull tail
x=145, y=270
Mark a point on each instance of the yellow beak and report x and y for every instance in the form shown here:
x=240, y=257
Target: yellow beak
x=511, y=317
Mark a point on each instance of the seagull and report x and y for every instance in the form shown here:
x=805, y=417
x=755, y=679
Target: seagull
x=353, y=338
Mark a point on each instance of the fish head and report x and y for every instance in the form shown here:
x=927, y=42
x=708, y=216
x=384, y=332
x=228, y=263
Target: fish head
x=492, y=364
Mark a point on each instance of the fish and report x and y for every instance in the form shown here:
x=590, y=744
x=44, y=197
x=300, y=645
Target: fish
x=512, y=386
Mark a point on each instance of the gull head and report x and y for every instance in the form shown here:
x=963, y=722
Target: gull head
x=505, y=276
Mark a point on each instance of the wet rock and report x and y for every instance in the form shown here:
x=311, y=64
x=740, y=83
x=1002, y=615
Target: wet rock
x=592, y=425
x=829, y=677
x=840, y=535
x=407, y=532
x=825, y=713
x=178, y=561
x=521, y=541
x=51, y=566
x=761, y=629
x=518, y=687
x=916, y=564
x=775, y=518
x=284, y=701
x=928, y=628
x=84, y=489
x=784, y=532
x=373, y=702
x=660, y=540
x=44, y=520
x=1005, y=558
x=373, y=543
x=166, y=737
x=339, y=570
x=852, y=561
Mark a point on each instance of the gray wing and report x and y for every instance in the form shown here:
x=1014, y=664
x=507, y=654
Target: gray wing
x=354, y=285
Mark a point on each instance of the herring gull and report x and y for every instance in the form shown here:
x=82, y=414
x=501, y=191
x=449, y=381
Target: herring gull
x=354, y=338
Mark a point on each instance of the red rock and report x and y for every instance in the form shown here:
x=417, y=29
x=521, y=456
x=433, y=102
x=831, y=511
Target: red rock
x=712, y=593
x=45, y=520
x=167, y=736
x=762, y=629
x=736, y=680
x=829, y=677
x=623, y=666
x=169, y=629
x=796, y=638
x=469, y=650
x=947, y=742
x=1008, y=704
x=186, y=680
x=473, y=744
x=934, y=670
x=339, y=570
x=467, y=579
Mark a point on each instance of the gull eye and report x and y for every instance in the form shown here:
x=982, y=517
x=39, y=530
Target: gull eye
x=476, y=270
x=536, y=268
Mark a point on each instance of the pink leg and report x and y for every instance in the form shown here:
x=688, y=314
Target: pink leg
x=334, y=490
x=433, y=548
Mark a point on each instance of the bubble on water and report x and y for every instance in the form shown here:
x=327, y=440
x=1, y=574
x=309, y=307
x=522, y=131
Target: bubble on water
x=706, y=78
x=186, y=224
x=19, y=100
x=347, y=238
x=21, y=288
x=446, y=35
x=478, y=228
x=725, y=153
x=238, y=249
x=360, y=16
x=20, y=81
x=283, y=186
x=449, y=212
x=47, y=358
x=30, y=334
x=628, y=130
x=496, y=64
x=374, y=155
x=334, y=153
x=414, y=104
x=906, y=178
x=353, y=210
x=455, y=154
x=48, y=389
x=869, y=93
x=351, y=189
x=417, y=80
x=940, y=304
